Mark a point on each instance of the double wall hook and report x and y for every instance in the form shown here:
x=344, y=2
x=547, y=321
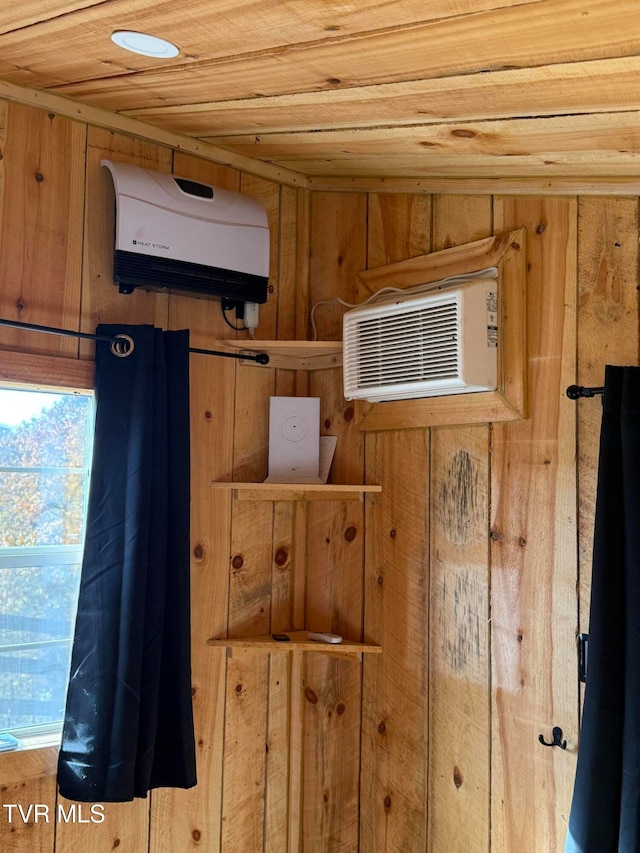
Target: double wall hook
x=557, y=738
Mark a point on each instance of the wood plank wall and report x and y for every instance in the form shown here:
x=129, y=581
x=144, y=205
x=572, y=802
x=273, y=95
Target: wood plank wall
x=471, y=568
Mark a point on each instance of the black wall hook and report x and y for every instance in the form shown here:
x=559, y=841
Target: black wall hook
x=557, y=738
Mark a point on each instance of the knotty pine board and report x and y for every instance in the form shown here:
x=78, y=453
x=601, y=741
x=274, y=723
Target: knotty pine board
x=459, y=662
x=41, y=209
x=335, y=541
x=533, y=551
x=393, y=777
x=599, y=85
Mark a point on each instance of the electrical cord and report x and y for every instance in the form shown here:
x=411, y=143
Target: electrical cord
x=488, y=272
x=228, y=322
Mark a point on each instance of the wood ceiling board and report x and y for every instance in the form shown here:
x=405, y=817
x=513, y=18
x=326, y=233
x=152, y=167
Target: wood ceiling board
x=20, y=15
x=77, y=46
x=591, y=134
x=543, y=33
x=598, y=86
x=478, y=166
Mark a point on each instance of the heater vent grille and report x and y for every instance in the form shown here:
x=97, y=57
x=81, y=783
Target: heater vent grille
x=422, y=345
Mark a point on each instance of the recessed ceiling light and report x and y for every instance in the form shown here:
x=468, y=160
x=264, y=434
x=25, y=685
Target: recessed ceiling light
x=145, y=44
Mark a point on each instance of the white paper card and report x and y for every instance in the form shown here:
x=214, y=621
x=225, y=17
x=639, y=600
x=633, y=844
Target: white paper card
x=294, y=440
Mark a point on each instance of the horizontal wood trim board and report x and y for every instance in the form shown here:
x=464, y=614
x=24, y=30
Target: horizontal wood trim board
x=134, y=127
x=458, y=410
x=46, y=371
x=550, y=186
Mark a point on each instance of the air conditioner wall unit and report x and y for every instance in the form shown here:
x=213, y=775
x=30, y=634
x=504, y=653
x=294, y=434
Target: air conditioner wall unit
x=423, y=344
x=181, y=235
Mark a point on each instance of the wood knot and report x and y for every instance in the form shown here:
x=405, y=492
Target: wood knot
x=196, y=835
x=463, y=133
x=281, y=557
x=520, y=636
x=348, y=414
x=494, y=536
x=194, y=690
x=39, y=177
x=340, y=708
x=208, y=415
x=540, y=229
x=457, y=777
x=311, y=696
x=237, y=562
x=392, y=533
x=350, y=533
x=198, y=552
x=271, y=288
x=238, y=688
x=116, y=843
x=327, y=423
x=382, y=728
x=20, y=305
x=334, y=81
x=522, y=541
x=379, y=580
x=387, y=802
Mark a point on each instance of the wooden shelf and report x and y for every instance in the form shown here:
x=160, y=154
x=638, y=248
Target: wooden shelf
x=299, y=642
x=296, y=491
x=290, y=355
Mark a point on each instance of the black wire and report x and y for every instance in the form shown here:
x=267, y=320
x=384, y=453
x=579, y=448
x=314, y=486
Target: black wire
x=224, y=317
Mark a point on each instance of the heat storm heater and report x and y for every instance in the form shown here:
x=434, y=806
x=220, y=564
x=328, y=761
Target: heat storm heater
x=185, y=236
x=411, y=345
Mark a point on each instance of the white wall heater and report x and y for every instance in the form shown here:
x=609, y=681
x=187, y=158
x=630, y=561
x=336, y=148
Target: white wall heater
x=410, y=345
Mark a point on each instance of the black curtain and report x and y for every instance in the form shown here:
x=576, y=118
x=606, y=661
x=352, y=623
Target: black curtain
x=605, y=813
x=129, y=723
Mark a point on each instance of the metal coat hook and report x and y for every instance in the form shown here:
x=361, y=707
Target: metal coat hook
x=557, y=738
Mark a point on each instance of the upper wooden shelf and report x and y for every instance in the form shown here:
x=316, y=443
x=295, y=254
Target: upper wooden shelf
x=296, y=491
x=290, y=355
x=299, y=642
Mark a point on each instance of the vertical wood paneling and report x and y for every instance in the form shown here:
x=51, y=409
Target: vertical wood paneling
x=185, y=820
x=29, y=837
x=392, y=754
x=393, y=785
x=394, y=729
x=335, y=548
x=459, y=708
x=41, y=210
x=607, y=334
x=247, y=688
x=533, y=560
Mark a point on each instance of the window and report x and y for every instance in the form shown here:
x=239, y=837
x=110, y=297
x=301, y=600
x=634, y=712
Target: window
x=45, y=452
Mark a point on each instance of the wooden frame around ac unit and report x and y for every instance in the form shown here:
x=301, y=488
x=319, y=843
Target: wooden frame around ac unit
x=507, y=252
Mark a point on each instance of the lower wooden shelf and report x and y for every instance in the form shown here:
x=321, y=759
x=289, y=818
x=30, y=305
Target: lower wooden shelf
x=299, y=642
x=296, y=491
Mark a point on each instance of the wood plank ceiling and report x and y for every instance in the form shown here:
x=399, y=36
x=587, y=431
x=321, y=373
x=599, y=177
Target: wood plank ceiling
x=451, y=88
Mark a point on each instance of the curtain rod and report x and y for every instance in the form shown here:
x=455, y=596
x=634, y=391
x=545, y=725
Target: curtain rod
x=574, y=392
x=123, y=342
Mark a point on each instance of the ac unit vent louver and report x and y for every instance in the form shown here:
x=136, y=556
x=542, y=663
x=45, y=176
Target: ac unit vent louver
x=423, y=345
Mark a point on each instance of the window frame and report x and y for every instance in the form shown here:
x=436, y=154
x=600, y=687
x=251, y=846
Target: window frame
x=38, y=757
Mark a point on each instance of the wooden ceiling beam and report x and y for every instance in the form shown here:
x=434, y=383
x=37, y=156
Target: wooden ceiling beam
x=134, y=127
